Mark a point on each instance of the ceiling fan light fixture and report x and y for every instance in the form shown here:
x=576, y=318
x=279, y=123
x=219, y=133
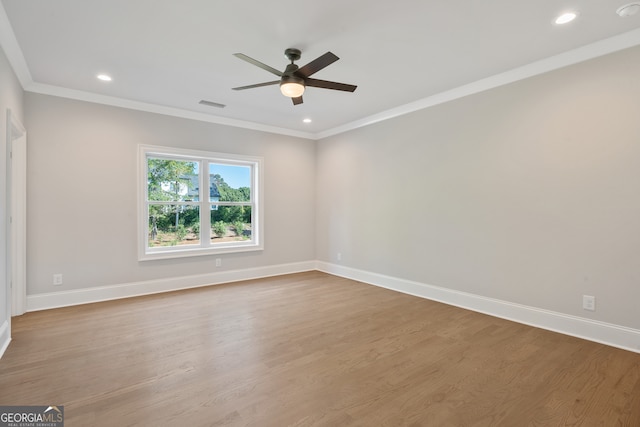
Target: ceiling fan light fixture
x=293, y=79
x=292, y=86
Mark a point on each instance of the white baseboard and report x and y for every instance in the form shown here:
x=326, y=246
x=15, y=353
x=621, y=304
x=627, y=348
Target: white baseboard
x=601, y=332
x=5, y=337
x=105, y=293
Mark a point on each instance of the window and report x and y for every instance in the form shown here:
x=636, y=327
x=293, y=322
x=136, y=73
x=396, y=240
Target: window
x=198, y=203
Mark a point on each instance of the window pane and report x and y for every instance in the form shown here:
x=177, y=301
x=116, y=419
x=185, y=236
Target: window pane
x=229, y=183
x=173, y=225
x=230, y=223
x=172, y=180
x=186, y=190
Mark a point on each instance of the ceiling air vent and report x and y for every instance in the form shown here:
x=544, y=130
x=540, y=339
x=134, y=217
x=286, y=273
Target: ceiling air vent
x=211, y=104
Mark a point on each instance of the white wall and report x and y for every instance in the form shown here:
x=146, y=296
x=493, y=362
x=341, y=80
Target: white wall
x=82, y=160
x=528, y=193
x=10, y=98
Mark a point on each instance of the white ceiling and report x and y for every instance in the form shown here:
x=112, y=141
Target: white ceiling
x=167, y=55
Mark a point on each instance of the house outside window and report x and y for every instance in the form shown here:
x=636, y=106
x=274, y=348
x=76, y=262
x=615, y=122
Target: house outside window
x=177, y=218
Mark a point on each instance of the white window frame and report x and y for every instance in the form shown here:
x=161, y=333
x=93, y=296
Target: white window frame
x=145, y=252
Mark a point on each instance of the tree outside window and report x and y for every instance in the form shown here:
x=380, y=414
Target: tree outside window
x=199, y=203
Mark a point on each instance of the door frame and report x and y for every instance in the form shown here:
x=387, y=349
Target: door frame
x=17, y=218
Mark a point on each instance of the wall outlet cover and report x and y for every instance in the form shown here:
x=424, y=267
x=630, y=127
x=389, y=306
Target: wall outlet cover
x=589, y=302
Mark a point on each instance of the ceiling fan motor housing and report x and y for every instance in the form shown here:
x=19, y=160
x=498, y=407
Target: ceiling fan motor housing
x=290, y=78
x=292, y=85
x=290, y=70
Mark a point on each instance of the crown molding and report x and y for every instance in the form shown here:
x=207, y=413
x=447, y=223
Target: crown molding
x=613, y=44
x=581, y=54
x=158, y=109
x=12, y=49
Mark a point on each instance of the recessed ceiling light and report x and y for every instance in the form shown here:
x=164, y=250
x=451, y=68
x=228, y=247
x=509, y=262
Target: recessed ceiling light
x=566, y=18
x=628, y=9
x=307, y=120
x=104, y=77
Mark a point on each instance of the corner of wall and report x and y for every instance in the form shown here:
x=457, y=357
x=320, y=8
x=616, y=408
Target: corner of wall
x=591, y=330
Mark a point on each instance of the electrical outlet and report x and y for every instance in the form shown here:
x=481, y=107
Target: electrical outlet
x=589, y=302
x=339, y=256
x=218, y=262
x=57, y=279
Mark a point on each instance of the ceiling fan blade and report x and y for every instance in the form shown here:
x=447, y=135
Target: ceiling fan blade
x=258, y=64
x=330, y=85
x=257, y=85
x=317, y=64
x=297, y=100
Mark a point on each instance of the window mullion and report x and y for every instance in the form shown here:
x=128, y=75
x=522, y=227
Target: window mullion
x=174, y=241
x=205, y=210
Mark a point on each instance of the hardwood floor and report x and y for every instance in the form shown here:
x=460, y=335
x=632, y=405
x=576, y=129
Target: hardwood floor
x=309, y=350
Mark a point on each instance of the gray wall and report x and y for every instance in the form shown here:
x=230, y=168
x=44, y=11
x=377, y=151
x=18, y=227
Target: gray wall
x=528, y=193
x=82, y=161
x=10, y=98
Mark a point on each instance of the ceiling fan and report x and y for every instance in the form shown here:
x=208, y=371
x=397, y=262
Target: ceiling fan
x=293, y=80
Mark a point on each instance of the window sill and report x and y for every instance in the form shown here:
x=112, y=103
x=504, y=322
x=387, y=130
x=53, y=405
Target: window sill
x=197, y=251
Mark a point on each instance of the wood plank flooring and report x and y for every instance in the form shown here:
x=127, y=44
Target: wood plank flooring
x=309, y=349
